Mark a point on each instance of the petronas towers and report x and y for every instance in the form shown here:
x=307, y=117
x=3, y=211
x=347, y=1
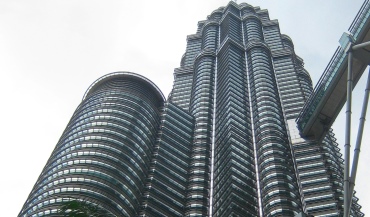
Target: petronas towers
x=224, y=143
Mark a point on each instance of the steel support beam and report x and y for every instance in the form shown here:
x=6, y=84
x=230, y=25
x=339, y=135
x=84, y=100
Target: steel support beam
x=347, y=144
x=349, y=181
x=356, y=155
x=362, y=45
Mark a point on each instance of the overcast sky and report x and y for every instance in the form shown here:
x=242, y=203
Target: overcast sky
x=52, y=50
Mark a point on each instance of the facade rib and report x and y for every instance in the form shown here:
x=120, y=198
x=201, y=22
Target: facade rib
x=278, y=180
x=226, y=137
x=201, y=107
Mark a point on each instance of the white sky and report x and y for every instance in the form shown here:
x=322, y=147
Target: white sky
x=52, y=50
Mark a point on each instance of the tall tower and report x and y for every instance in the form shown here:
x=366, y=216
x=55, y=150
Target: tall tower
x=225, y=143
x=228, y=71
x=103, y=157
x=245, y=86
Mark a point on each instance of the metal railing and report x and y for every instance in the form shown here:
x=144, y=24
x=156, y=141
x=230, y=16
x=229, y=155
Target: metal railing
x=331, y=70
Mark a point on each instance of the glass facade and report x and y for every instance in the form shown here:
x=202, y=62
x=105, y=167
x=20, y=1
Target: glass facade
x=104, y=154
x=225, y=143
x=167, y=182
x=250, y=87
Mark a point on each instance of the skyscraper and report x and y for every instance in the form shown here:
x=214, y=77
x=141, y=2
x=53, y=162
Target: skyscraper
x=225, y=143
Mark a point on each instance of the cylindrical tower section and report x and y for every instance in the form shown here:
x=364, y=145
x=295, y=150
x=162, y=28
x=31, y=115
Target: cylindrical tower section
x=304, y=78
x=103, y=156
x=287, y=42
x=216, y=14
x=247, y=9
x=278, y=183
x=210, y=36
x=252, y=29
x=201, y=107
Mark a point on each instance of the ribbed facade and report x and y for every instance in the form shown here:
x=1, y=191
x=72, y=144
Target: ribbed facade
x=104, y=154
x=253, y=87
x=166, y=187
x=224, y=144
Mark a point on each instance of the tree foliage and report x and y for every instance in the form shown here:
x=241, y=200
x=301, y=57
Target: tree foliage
x=75, y=208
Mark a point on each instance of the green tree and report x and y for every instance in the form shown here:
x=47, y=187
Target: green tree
x=75, y=208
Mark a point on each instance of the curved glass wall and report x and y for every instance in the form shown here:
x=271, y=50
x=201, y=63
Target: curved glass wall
x=246, y=9
x=252, y=29
x=104, y=153
x=279, y=189
x=201, y=108
x=210, y=36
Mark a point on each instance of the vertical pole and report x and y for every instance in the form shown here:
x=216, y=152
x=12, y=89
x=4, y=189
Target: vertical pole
x=358, y=141
x=347, y=135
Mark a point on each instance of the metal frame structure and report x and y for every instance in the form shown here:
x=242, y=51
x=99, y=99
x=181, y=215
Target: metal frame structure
x=349, y=179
